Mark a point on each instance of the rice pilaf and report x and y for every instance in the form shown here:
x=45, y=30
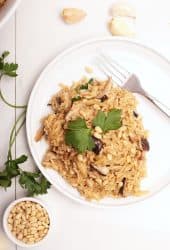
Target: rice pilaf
x=116, y=163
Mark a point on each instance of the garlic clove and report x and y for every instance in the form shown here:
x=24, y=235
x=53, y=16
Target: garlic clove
x=73, y=15
x=122, y=26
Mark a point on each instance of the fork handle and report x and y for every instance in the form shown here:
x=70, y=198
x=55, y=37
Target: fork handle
x=157, y=100
x=162, y=107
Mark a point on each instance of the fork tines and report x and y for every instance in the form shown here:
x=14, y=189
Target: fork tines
x=113, y=69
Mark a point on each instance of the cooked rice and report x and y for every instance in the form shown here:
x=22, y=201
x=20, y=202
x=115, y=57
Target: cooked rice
x=119, y=167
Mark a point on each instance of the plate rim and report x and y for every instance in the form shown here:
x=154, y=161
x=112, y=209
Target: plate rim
x=47, y=67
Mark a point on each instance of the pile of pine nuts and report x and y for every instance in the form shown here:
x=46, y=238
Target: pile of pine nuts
x=29, y=222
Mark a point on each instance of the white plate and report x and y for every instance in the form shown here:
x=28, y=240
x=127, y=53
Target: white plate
x=154, y=73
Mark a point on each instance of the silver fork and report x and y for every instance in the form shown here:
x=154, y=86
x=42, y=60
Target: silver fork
x=128, y=80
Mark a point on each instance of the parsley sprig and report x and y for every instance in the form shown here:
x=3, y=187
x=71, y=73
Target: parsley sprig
x=35, y=183
x=78, y=135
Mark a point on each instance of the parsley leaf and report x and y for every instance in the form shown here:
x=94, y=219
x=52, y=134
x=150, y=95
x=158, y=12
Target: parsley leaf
x=28, y=181
x=99, y=120
x=78, y=135
x=113, y=120
x=79, y=123
x=12, y=170
x=110, y=122
x=5, y=181
x=86, y=85
x=12, y=166
x=21, y=159
x=44, y=185
x=79, y=139
x=35, y=183
x=8, y=69
x=5, y=54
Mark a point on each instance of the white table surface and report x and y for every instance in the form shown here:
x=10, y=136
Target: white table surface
x=34, y=36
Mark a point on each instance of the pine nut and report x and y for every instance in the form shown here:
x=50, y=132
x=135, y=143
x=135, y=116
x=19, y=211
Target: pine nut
x=109, y=157
x=98, y=129
x=80, y=157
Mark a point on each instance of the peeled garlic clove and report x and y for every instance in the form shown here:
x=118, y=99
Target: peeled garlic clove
x=122, y=26
x=123, y=9
x=73, y=15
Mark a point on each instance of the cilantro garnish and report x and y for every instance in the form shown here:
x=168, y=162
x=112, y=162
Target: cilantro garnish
x=78, y=135
x=110, y=122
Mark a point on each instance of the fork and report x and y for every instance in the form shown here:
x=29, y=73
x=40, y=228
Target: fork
x=128, y=80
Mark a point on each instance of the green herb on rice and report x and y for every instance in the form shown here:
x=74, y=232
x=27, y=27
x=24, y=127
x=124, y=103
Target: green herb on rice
x=111, y=121
x=78, y=135
x=86, y=85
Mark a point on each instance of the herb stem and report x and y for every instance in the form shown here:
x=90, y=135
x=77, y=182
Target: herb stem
x=9, y=104
x=14, y=132
x=17, y=131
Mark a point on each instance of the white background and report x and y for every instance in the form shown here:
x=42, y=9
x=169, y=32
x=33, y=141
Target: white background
x=34, y=36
